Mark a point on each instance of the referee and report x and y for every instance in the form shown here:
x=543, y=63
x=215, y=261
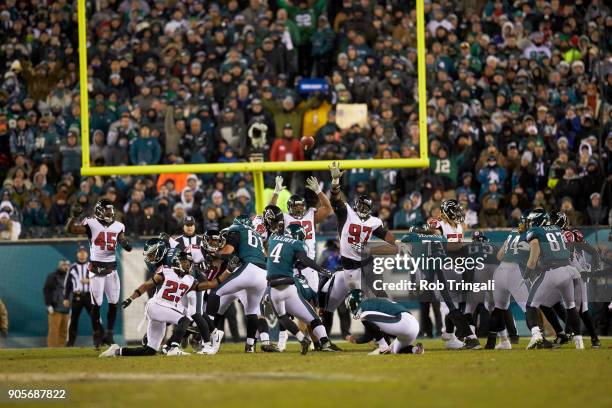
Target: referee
x=77, y=286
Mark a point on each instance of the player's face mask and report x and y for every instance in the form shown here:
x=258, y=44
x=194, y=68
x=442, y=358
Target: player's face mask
x=108, y=215
x=363, y=208
x=297, y=209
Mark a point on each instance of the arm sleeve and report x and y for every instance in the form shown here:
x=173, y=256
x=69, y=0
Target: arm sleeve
x=308, y=262
x=380, y=232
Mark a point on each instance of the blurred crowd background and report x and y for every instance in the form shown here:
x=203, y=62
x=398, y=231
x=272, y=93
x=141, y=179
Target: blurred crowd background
x=519, y=106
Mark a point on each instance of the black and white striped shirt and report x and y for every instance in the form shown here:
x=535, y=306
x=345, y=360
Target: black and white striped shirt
x=184, y=242
x=76, y=272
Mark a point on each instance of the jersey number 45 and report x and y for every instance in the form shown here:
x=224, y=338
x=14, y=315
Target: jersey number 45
x=106, y=241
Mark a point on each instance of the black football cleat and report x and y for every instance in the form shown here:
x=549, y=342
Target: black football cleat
x=595, y=343
x=471, y=344
x=514, y=339
x=305, y=345
x=545, y=344
x=269, y=348
x=560, y=340
x=491, y=341
x=249, y=348
x=328, y=346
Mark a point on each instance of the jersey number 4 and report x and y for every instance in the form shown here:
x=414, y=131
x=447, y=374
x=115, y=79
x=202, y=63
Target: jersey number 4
x=106, y=241
x=355, y=231
x=171, y=288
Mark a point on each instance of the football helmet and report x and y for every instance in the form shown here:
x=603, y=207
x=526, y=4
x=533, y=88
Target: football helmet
x=559, y=219
x=273, y=219
x=452, y=210
x=296, y=206
x=537, y=218
x=353, y=303
x=363, y=206
x=155, y=250
x=104, y=211
x=296, y=231
x=213, y=240
x=182, y=262
x=479, y=236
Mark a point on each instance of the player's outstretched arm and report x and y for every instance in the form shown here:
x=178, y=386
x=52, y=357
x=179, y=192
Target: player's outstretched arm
x=326, y=208
x=72, y=227
x=150, y=284
x=337, y=201
x=278, y=187
x=310, y=263
x=124, y=242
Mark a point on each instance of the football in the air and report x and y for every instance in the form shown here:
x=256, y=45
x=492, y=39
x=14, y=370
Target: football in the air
x=307, y=142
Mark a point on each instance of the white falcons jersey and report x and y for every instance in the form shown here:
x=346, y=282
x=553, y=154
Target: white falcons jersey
x=452, y=234
x=172, y=289
x=103, y=239
x=259, y=227
x=307, y=222
x=356, y=233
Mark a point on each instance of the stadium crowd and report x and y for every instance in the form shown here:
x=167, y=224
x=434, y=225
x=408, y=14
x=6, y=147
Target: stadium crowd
x=519, y=108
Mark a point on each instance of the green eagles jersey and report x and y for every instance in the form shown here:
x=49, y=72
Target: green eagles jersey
x=484, y=250
x=382, y=305
x=553, y=250
x=516, y=248
x=247, y=243
x=281, y=254
x=425, y=244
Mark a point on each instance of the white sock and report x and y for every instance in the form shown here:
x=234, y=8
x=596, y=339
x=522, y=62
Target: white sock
x=472, y=336
x=299, y=336
x=535, y=330
x=319, y=332
x=250, y=341
x=264, y=337
x=382, y=343
x=503, y=333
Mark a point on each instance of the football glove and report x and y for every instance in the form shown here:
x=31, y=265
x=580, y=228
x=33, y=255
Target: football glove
x=126, y=302
x=335, y=171
x=313, y=184
x=278, y=186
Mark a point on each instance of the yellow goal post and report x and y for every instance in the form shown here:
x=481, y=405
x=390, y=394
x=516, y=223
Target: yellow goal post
x=257, y=168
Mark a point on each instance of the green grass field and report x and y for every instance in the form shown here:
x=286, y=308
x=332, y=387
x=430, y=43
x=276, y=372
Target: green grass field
x=562, y=377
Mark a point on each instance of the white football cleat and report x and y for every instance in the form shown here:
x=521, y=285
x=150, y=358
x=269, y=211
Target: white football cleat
x=176, y=351
x=207, y=349
x=451, y=341
x=283, y=336
x=504, y=345
x=535, y=341
x=418, y=349
x=215, y=337
x=380, y=350
x=111, y=351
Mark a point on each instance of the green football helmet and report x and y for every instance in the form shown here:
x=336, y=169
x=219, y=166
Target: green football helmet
x=353, y=303
x=155, y=250
x=537, y=218
x=296, y=231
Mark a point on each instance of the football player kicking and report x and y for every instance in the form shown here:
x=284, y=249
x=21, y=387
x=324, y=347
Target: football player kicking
x=104, y=232
x=424, y=241
x=356, y=225
x=381, y=317
x=286, y=294
x=550, y=269
x=450, y=226
x=165, y=307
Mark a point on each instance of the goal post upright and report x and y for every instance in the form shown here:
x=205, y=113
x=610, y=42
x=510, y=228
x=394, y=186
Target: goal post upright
x=258, y=168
